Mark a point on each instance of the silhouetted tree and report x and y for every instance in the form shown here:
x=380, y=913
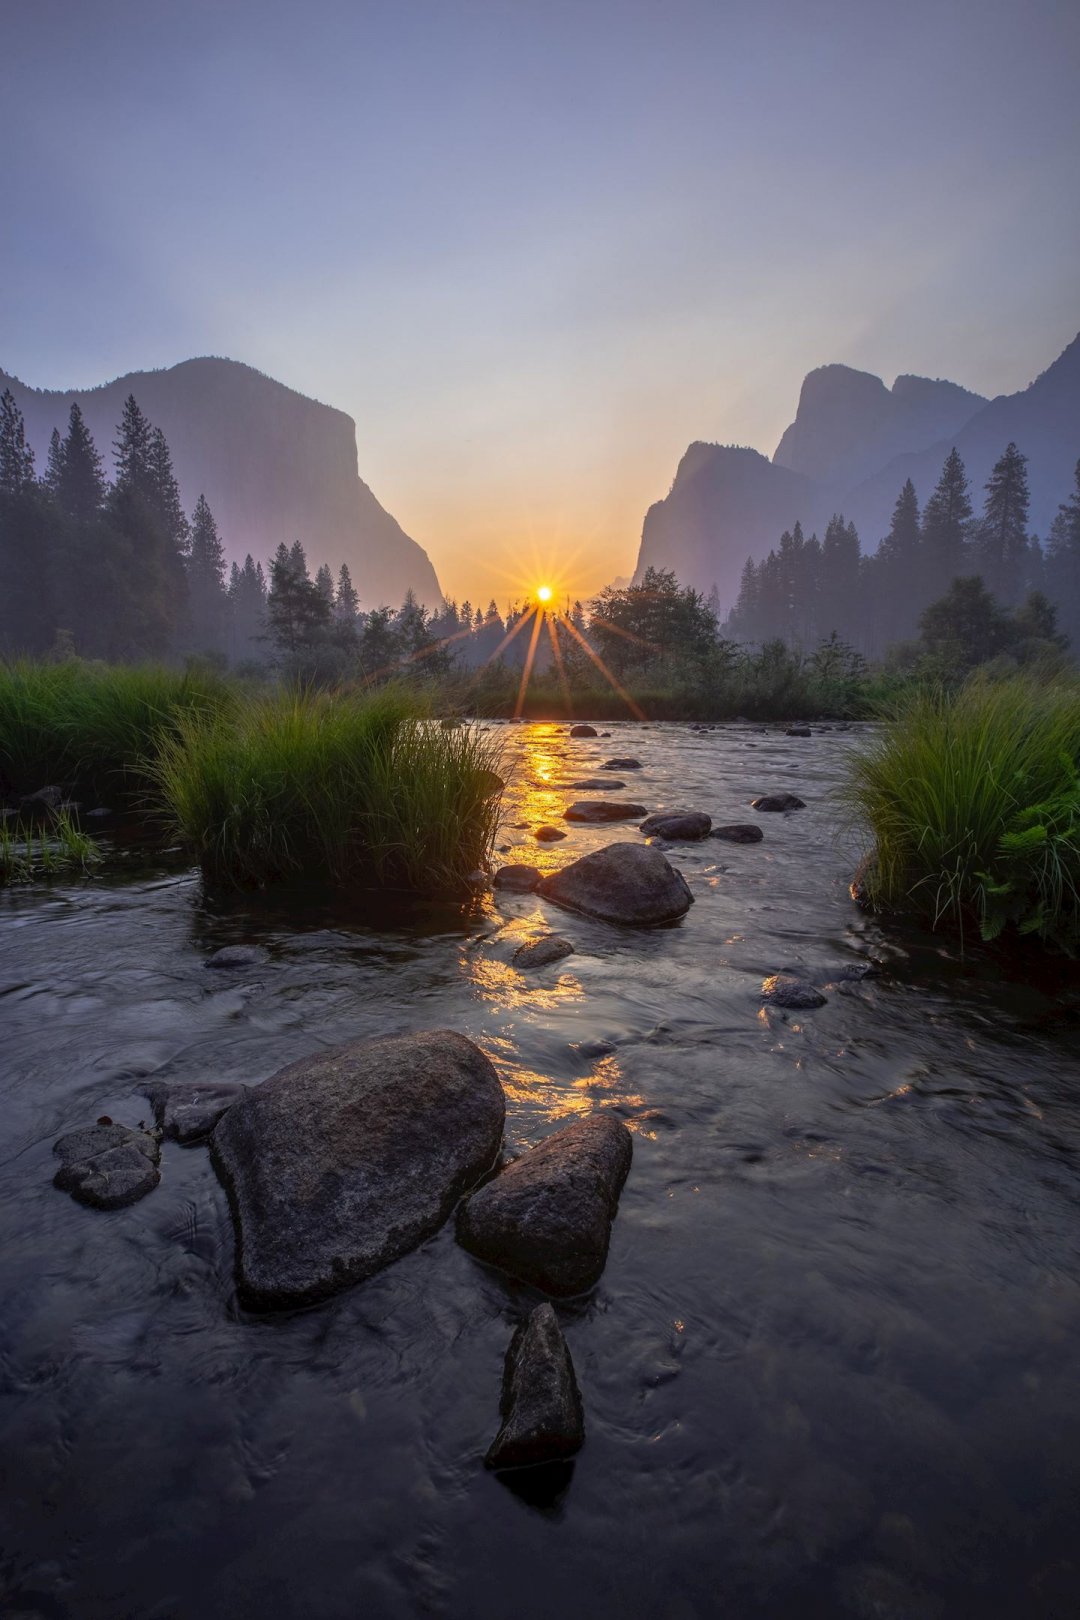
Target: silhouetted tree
x=207, y=599
x=1002, y=538
x=945, y=527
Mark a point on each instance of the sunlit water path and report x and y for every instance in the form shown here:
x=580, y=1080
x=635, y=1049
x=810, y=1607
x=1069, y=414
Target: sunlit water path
x=830, y=1368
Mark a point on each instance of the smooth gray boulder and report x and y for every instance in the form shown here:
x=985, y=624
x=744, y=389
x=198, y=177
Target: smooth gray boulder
x=739, y=832
x=582, y=731
x=238, y=956
x=518, y=879
x=784, y=990
x=678, y=826
x=621, y=765
x=542, y=1416
x=186, y=1112
x=546, y=1218
x=601, y=810
x=540, y=952
x=548, y=834
x=781, y=802
x=108, y=1166
x=346, y=1160
x=623, y=883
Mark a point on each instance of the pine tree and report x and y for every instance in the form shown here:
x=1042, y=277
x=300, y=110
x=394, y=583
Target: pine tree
x=247, y=612
x=346, y=601
x=132, y=447
x=54, y=467
x=324, y=583
x=205, y=564
x=894, y=580
x=80, y=479
x=16, y=456
x=26, y=543
x=1063, y=562
x=296, y=610
x=945, y=526
x=164, y=493
x=1002, y=542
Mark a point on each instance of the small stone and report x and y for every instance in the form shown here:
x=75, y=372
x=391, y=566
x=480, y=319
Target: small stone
x=677, y=826
x=782, y=990
x=184, y=1113
x=781, y=802
x=238, y=956
x=542, y=1416
x=600, y=810
x=621, y=765
x=582, y=731
x=518, y=878
x=548, y=835
x=107, y=1166
x=540, y=952
x=739, y=832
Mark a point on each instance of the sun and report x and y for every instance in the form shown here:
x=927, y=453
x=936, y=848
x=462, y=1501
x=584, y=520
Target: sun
x=543, y=593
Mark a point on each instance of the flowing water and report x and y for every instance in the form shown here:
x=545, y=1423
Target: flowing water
x=829, y=1370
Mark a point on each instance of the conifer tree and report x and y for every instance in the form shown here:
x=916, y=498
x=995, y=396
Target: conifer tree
x=80, y=479
x=324, y=583
x=1002, y=540
x=945, y=526
x=205, y=565
x=54, y=466
x=26, y=543
x=164, y=493
x=296, y=610
x=16, y=456
x=132, y=447
x=1063, y=562
x=346, y=601
x=247, y=612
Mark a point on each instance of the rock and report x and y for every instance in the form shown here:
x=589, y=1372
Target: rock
x=778, y=801
x=798, y=731
x=621, y=765
x=238, y=956
x=539, y=952
x=476, y=879
x=595, y=785
x=346, y=1160
x=854, y=972
x=546, y=1218
x=184, y=1113
x=108, y=1166
x=596, y=810
x=739, y=832
x=783, y=990
x=678, y=826
x=102, y=813
x=46, y=798
x=549, y=835
x=582, y=731
x=519, y=879
x=542, y=1417
x=623, y=883
x=490, y=783
x=450, y=725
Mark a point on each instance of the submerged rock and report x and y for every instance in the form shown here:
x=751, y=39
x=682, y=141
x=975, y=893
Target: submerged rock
x=346, y=1160
x=548, y=834
x=677, y=826
x=540, y=952
x=582, y=731
x=238, y=956
x=108, y=1166
x=542, y=1416
x=782, y=802
x=598, y=810
x=596, y=785
x=621, y=765
x=547, y=1217
x=624, y=883
x=739, y=832
x=783, y=990
x=519, y=879
x=184, y=1113
x=798, y=731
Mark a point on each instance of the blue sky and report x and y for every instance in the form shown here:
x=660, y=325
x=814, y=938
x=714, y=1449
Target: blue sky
x=536, y=248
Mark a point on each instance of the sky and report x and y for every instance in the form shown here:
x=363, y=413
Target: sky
x=535, y=248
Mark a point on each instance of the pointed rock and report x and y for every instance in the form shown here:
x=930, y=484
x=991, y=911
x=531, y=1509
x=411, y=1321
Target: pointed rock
x=541, y=1407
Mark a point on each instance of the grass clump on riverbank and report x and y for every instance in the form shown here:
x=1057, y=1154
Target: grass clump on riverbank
x=91, y=728
x=61, y=850
x=973, y=803
x=355, y=790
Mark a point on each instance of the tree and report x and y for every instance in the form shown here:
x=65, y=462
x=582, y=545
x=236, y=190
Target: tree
x=16, y=456
x=1002, y=540
x=1063, y=561
x=297, y=611
x=247, y=612
x=964, y=628
x=25, y=540
x=163, y=493
x=132, y=447
x=324, y=584
x=80, y=481
x=346, y=601
x=945, y=526
x=207, y=600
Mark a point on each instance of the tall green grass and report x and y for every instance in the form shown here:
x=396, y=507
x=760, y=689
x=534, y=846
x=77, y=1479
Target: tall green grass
x=355, y=790
x=91, y=728
x=972, y=801
x=59, y=850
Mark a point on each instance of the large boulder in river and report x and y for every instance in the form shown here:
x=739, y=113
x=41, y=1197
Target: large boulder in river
x=621, y=765
x=786, y=990
x=543, y=951
x=623, y=883
x=780, y=802
x=677, y=825
x=518, y=878
x=346, y=1160
x=739, y=832
x=107, y=1165
x=601, y=810
x=547, y=1217
x=583, y=731
x=541, y=1407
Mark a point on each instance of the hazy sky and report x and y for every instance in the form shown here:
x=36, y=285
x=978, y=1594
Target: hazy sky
x=535, y=247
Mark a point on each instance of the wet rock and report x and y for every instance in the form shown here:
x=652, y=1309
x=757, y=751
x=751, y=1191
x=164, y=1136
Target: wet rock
x=599, y=810
x=591, y=1050
x=101, y=813
x=739, y=832
x=677, y=827
x=782, y=802
x=546, y=1218
x=624, y=883
x=783, y=990
x=582, y=731
x=548, y=835
x=46, y=798
x=184, y=1113
x=490, y=783
x=238, y=956
x=539, y=952
x=542, y=1416
x=346, y=1160
x=854, y=972
x=519, y=879
x=798, y=731
x=108, y=1166
x=596, y=785
x=476, y=879
x=621, y=765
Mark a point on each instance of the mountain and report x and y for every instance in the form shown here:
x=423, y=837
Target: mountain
x=273, y=464
x=851, y=446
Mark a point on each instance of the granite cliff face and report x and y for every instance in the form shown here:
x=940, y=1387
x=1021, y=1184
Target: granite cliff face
x=853, y=443
x=273, y=464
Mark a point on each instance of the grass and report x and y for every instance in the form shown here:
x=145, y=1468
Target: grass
x=59, y=851
x=358, y=790
x=972, y=801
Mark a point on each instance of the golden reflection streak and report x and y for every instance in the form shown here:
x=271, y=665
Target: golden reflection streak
x=508, y=638
x=559, y=665
x=615, y=685
x=422, y=652
x=527, y=671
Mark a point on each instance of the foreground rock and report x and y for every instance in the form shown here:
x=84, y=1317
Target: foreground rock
x=348, y=1159
x=541, y=1407
x=185, y=1113
x=782, y=802
x=595, y=785
x=519, y=879
x=678, y=826
x=108, y=1166
x=621, y=765
x=238, y=956
x=547, y=1217
x=624, y=883
x=541, y=952
x=599, y=810
x=548, y=834
x=739, y=832
x=582, y=731
x=784, y=990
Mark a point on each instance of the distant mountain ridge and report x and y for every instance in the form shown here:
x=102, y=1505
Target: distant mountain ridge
x=851, y=446
x=273, y=464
